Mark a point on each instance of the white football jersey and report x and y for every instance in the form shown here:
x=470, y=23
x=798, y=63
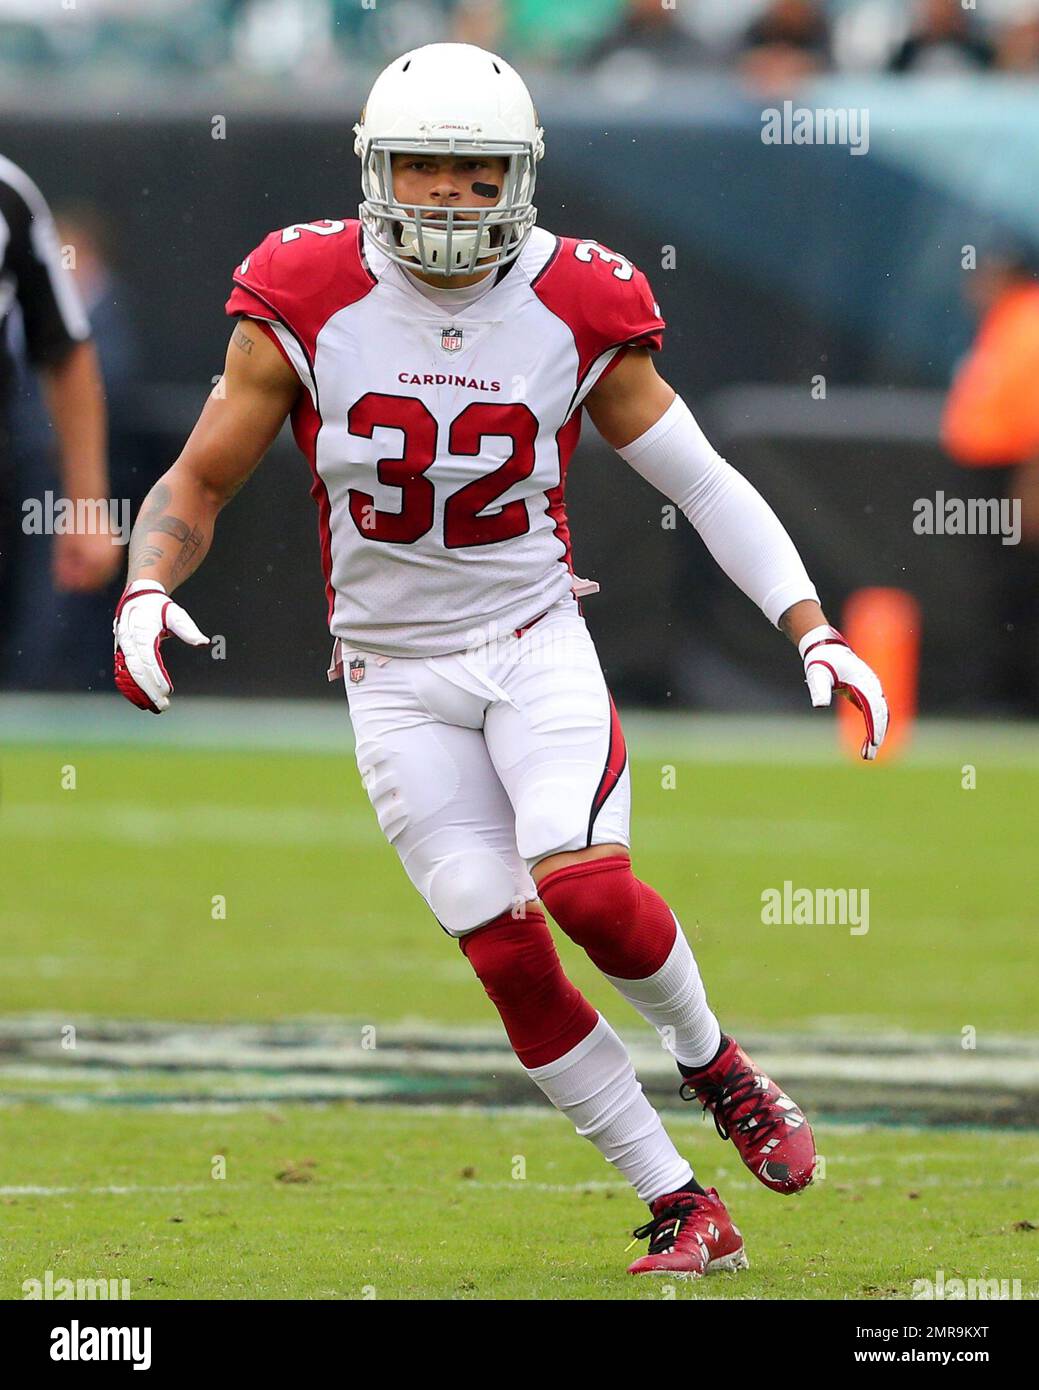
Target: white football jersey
x=438, y=439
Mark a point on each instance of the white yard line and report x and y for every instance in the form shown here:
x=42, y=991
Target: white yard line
x=206, y=822
x=99, y=1191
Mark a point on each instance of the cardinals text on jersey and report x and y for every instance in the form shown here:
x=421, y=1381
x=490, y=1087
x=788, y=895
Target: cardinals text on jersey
x=439, y=444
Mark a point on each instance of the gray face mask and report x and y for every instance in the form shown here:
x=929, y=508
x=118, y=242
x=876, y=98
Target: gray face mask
x=448, y=241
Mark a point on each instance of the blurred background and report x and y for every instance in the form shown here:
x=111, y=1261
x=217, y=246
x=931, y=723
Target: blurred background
x=820, y=301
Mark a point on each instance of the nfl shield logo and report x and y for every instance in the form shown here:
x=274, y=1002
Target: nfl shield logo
x=451, y=339
x=357, y=669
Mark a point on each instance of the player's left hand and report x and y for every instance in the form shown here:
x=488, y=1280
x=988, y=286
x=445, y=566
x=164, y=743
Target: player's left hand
x=830, y=664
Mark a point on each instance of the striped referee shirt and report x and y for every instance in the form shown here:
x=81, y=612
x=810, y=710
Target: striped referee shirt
x=31, y=275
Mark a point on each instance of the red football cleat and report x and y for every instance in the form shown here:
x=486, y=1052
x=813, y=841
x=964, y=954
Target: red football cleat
x=770, y=1132
x=690, y=1235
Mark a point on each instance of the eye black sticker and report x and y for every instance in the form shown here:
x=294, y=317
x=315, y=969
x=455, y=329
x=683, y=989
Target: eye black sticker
x=486, y=190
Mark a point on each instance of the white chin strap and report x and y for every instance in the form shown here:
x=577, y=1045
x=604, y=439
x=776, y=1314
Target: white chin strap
x=435, y=246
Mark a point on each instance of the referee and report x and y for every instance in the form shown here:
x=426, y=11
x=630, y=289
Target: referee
x=57, y=341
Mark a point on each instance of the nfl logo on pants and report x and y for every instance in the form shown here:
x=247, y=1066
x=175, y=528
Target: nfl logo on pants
x=357, y=669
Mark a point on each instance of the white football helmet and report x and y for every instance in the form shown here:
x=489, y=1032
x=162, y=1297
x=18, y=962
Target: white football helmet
x=449, y=98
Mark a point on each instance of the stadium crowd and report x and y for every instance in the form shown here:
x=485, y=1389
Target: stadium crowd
x=759, y=38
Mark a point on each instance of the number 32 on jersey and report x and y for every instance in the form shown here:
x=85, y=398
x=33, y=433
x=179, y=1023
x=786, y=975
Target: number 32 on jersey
x=463, y=526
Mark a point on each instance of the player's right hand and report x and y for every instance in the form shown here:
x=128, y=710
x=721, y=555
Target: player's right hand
x=144, y=617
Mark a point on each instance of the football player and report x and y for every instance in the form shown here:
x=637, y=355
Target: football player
x=436, y=358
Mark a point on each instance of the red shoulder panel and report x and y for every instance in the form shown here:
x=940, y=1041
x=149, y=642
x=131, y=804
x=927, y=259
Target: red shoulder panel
x=604, y=299
x=302, y=275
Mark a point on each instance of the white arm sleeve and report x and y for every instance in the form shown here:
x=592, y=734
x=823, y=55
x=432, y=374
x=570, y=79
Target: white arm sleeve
x=735, y=522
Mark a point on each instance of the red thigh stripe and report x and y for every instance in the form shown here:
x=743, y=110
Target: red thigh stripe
x=616, y=758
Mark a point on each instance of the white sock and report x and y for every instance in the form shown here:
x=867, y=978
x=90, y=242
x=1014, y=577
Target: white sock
x=674, y=998
x=596, y=1086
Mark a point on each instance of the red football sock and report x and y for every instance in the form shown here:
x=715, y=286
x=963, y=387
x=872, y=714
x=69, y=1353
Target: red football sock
x=625, y=925
x=545, y=1016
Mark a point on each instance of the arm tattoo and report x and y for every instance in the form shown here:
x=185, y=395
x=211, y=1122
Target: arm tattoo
x=154, y=518
x=242, y=340
x=148, y=555
x=186, y=553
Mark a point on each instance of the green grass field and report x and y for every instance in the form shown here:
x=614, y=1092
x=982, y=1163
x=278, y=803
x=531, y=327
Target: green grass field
x=109, y=889
x=422, y=1204
x=108, y=913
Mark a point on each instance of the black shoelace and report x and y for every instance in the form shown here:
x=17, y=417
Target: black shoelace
x=663, y=1229
x=724, y=1096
